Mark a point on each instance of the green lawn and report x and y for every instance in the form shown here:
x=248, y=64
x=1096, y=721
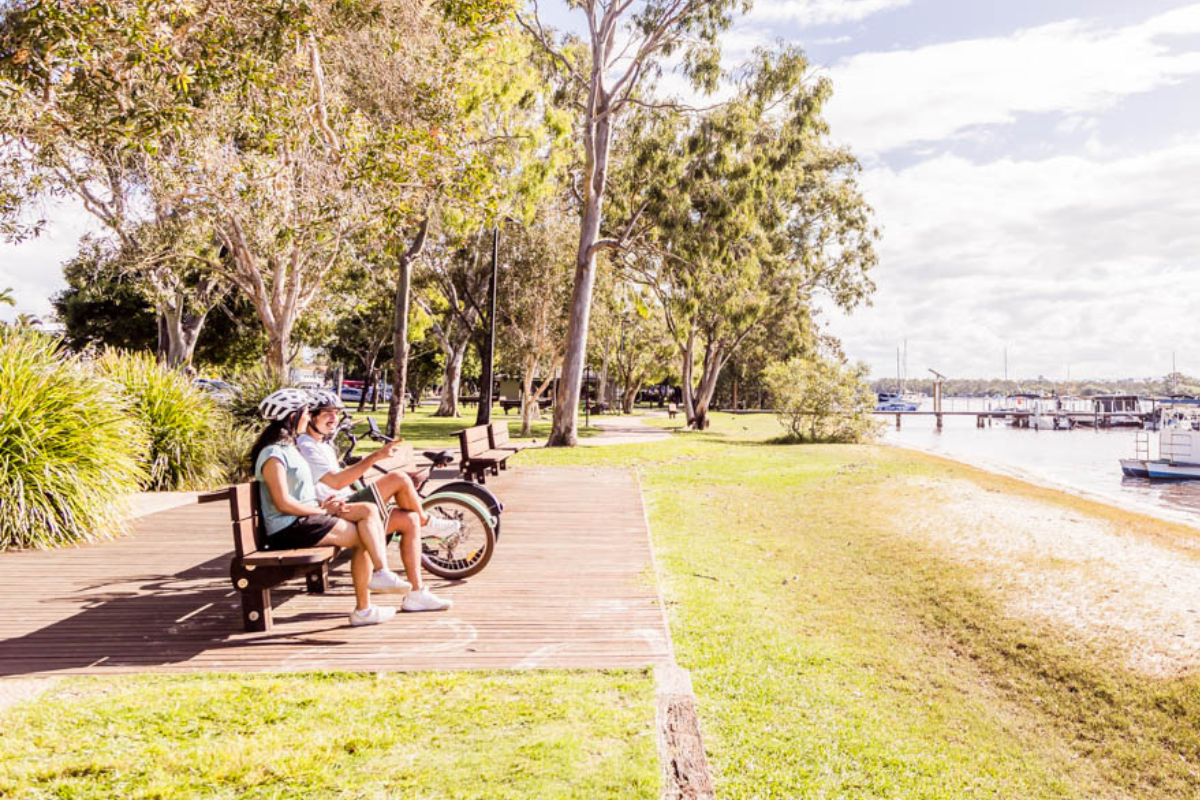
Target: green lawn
x=832, y=656
x=449, y=735
x=422, y=429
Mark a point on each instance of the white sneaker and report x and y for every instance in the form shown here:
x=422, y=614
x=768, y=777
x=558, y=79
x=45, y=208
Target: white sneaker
x=372, y=616
x=425, y=600
x=440, y=526
x=384, y=580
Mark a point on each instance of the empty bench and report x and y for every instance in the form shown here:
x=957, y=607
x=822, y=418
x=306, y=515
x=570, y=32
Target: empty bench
x=498, y=438
x=478, y=456
x=255, y=571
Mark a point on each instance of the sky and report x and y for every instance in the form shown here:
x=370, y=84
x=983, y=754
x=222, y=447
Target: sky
x=1034, y=168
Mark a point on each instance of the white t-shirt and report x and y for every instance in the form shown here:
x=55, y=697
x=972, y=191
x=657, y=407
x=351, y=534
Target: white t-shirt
x=321, y=458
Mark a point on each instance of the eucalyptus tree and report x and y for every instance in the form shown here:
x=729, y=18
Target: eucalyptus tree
x=89, y=94
x=626, y=45
x=450, y=290
x=532, y=300
x=749, y=213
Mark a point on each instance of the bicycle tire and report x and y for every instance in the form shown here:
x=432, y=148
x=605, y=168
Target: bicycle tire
x=465, y=553
x=479, y=493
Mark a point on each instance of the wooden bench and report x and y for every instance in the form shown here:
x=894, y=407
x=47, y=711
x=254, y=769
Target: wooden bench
x=255, y=571
x=672, y=410
x=478, y=457
x=498, y=438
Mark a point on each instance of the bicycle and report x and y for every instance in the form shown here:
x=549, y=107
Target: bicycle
x=468, y=550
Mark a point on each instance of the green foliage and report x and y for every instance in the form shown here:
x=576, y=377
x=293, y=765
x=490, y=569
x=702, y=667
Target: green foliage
x=230, y=443
x=253, y=385
x=70, y=451
x=179, y=419
x=820, y=399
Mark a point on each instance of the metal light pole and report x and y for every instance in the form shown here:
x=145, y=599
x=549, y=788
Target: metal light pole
x=484, y=416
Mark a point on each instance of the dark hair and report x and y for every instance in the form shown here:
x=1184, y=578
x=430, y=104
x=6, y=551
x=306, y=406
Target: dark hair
x=280, y=431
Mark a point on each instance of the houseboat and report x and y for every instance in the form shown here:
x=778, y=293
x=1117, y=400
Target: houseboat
x=1178, y=443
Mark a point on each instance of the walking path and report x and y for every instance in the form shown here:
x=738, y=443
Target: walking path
x=567, y=587
x=625, y=430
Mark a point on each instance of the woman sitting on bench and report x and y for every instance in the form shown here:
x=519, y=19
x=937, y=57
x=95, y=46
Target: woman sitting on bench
x=293, y=519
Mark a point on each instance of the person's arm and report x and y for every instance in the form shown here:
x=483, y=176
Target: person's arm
x=344, y=477
x=275, y=477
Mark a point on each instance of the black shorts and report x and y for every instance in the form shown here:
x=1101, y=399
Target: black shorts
x=304, y=532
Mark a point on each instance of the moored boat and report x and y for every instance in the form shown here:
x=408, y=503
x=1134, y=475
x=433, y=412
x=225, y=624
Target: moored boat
x=1178, y=445
x=895, y=401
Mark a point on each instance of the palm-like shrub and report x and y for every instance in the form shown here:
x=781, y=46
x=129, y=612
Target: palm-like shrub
x=70, y=453
x=253, y=385
x=179, y=418
x=231, y=445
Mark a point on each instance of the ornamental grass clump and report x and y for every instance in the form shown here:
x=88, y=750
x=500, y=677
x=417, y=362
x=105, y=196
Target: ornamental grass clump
x=253, y=385
x=70, y=451
x=180, y=419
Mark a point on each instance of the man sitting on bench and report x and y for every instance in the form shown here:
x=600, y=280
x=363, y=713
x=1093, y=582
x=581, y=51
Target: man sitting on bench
x=393, y=495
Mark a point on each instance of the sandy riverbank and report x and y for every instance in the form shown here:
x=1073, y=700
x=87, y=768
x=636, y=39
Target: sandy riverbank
x=1123, y=581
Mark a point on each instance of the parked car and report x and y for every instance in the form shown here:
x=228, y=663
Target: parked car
x=219, y=390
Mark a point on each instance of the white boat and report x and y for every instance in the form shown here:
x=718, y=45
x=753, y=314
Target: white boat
x=1178, y=445
x=895, y=401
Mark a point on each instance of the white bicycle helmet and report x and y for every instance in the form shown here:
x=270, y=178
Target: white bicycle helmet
x=323, y=398
x=283, y=403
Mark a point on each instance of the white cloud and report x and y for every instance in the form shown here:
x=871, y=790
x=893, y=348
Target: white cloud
x=1064, y=261
x=883, y=101
x=32, y=269
x=821, y=12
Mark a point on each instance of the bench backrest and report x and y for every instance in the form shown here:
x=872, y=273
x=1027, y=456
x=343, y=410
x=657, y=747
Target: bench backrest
x=499, y=433
x=474, y=441
x=245, y=512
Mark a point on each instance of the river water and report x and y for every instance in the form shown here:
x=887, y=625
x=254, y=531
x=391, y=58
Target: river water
x=1083, y=461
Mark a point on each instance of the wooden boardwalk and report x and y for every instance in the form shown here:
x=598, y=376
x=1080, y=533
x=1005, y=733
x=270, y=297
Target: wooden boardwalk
x=570, y=585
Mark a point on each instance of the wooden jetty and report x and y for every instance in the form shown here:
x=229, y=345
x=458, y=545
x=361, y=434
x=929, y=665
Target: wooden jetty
x=1060, y=420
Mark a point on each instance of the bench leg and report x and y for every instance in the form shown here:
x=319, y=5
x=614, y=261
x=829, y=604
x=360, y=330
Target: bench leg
x=256, y=610
x=317, y=581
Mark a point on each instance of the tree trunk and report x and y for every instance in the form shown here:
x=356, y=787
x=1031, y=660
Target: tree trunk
x=368, y=384
x=279, y=340
x=183, y=331
x=596, y=144
x=400, y=330
x=529, y=403
x=163, y=346
x=451, y=381
x=632, y=387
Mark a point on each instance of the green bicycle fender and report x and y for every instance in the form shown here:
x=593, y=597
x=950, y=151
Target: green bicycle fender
x=470, y=501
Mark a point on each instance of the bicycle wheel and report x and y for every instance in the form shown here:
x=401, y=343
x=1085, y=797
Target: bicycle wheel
x=466, y=551
x=480, y=493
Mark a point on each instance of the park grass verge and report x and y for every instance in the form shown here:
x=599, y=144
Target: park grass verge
x=551, y=734
x=423, y=430
x=834, y=656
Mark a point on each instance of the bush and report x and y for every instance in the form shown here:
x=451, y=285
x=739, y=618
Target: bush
x=822, y=400
x=231, y=448
x=253, y=385
x=179, y=418
x=70, y=453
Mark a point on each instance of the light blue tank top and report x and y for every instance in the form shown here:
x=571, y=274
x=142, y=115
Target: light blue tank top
x=300, y=484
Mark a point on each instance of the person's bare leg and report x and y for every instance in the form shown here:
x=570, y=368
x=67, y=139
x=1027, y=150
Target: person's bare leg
x=399, y=487
x=408, y=523
x=360, y=573
x=345, y=534
x=370, y=530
